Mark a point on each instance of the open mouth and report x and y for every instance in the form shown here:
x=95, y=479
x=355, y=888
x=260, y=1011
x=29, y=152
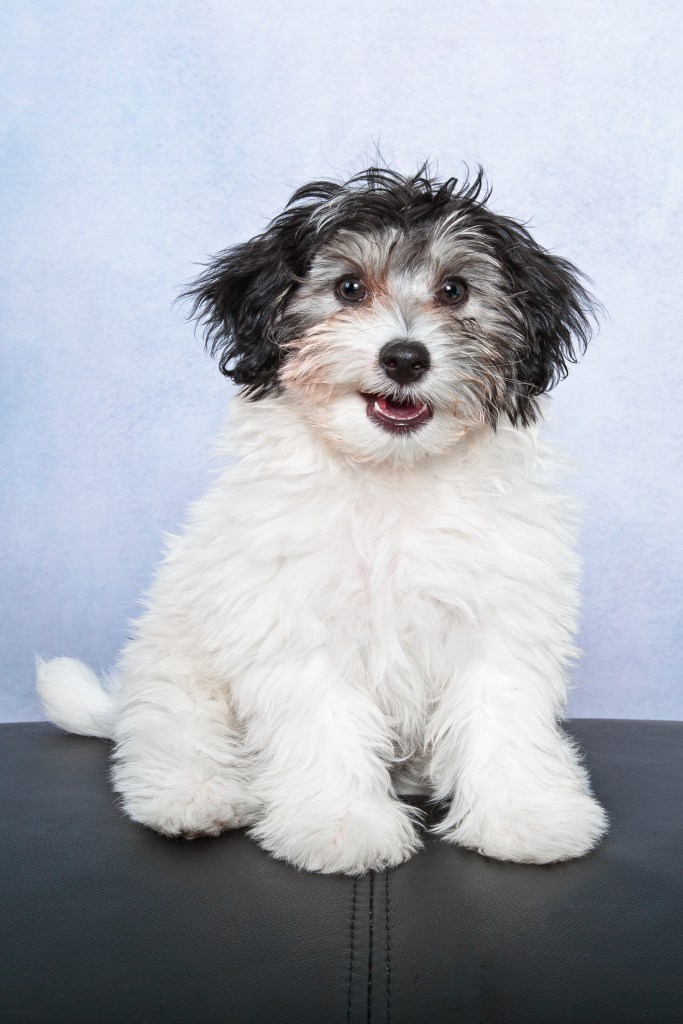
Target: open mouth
x=397, y=415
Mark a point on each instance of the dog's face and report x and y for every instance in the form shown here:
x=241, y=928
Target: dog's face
x=396, y=313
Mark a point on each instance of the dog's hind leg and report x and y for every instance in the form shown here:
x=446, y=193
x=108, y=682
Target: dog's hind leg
x=179, y=762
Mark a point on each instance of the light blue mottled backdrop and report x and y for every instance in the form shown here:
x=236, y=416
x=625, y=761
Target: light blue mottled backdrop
x=141, y=136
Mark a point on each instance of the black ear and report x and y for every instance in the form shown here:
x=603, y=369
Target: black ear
x=241, y=296
x=556, y=313
x=237, y=300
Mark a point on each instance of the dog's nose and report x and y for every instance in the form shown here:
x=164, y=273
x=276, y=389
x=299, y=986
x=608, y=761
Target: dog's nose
x=404, y=361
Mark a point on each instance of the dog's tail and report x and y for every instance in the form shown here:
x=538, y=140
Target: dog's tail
x=74, y=698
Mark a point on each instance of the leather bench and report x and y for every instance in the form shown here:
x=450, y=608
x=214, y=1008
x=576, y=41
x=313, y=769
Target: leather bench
x=105, y=921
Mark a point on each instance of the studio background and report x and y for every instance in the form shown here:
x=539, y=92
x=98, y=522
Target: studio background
x=140, y=138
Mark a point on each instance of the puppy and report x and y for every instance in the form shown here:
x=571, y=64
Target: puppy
x=378, y=596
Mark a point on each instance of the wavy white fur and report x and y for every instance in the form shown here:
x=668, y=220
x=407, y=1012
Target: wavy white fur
x=329, y=631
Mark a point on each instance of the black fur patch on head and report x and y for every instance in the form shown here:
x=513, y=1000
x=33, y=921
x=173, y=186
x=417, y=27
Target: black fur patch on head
x=241, y=298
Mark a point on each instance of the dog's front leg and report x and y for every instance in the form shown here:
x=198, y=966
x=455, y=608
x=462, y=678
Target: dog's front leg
x=515, y=781
x=319, y=750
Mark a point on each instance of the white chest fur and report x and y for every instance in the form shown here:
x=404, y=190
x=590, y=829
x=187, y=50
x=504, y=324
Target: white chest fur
x=391, y=575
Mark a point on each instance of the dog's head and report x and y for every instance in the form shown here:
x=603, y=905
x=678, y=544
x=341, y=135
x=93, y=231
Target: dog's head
x=397, y=313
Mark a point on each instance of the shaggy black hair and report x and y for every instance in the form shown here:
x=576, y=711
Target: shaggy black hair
x=241, y=297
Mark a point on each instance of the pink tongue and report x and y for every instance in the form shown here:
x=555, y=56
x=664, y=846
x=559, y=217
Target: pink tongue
x=399, y=410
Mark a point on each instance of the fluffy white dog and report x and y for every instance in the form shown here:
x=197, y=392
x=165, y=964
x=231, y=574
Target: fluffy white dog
x=379, y=596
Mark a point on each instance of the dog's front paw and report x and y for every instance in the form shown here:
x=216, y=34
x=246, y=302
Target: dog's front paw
x=559, y=827
x=368, y=836
x=179, y=805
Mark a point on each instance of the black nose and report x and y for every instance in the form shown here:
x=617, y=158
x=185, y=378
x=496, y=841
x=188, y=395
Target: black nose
x=404, y=361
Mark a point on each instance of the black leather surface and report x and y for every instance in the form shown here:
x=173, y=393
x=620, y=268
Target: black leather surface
x=595, y=940
x=105, y=921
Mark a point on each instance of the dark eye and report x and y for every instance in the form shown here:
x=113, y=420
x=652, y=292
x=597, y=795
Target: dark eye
x=351, y=289
x=453, y=291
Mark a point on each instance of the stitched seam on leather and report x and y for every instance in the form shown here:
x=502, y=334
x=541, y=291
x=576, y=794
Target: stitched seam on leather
x=372, y=880
x=387, y=943
x=352, y=942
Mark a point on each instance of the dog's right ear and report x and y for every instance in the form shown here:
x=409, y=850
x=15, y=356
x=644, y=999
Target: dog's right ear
x=240, y=297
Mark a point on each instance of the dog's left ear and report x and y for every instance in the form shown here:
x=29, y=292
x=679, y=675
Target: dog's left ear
x=240, y=298
x=556, y=314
